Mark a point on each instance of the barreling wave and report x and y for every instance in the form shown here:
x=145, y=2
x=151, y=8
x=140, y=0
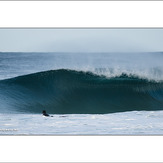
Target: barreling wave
x=76, y=92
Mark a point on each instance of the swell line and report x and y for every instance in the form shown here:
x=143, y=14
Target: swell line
x=75, y=92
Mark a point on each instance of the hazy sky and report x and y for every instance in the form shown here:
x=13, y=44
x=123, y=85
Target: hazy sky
x=81, y=40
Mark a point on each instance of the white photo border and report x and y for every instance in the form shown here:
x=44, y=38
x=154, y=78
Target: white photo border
x=97, y=14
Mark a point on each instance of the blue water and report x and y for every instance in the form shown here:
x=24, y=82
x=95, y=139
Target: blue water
x=100, y=93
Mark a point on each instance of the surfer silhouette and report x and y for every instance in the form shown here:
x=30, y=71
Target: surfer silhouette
x=45, y=114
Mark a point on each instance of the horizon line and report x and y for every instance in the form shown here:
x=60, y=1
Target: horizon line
x=79, y=52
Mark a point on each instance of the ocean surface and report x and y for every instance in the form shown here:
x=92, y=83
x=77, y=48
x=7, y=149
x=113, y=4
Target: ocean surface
x=86, y=93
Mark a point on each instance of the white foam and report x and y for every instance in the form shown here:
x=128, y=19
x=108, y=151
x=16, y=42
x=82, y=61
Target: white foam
x=136, y=122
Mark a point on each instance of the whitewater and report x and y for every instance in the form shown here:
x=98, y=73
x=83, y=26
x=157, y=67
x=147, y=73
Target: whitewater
x=87, y=93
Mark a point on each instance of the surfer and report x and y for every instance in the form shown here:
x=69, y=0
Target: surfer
x=45, y=114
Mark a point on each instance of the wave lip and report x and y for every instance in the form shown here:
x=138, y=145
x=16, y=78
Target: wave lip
x=76, y=92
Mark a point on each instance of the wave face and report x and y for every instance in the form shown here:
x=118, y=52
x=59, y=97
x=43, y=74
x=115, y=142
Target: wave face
x=76, y=92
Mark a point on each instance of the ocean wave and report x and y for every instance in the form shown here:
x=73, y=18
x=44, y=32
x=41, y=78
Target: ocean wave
x=66, y=91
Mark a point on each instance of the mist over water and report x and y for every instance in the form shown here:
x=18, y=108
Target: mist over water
x=144, y=65
x=84, y=83
x=99, y=93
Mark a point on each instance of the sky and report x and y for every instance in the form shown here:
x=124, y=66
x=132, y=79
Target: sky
x=81, y=40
